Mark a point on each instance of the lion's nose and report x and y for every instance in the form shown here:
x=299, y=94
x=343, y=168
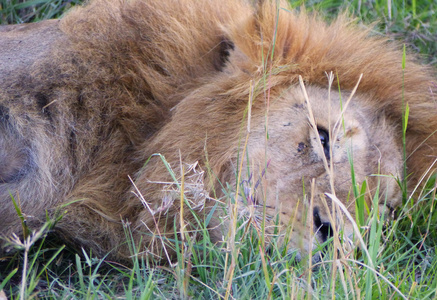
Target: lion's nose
x=323, y=229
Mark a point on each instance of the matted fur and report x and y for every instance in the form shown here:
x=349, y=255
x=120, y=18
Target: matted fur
x=115, y=82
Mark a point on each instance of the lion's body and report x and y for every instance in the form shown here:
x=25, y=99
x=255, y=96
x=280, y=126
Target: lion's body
x=113, y=83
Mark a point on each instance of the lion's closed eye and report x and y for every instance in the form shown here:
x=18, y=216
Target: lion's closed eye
x=324, y=139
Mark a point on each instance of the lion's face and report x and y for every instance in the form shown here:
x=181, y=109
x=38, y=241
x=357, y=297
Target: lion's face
x=292, y=164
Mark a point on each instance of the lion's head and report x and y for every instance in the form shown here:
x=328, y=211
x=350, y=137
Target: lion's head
x=308, y=144
x=301, y=145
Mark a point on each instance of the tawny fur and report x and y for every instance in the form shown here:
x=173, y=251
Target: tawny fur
x=116, y=82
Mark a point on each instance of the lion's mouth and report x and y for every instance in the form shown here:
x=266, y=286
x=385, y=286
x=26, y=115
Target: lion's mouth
x=322, y=229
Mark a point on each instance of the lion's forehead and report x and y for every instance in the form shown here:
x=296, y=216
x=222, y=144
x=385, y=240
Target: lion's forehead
x=289, y=118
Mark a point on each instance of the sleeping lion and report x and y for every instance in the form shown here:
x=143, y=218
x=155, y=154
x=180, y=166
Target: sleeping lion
x=118, y=113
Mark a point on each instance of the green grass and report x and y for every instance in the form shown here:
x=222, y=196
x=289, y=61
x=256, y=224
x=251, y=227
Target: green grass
x=413, y=22
x=398, y=261
x=19, y=11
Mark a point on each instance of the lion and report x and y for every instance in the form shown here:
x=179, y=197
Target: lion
x=141, y=114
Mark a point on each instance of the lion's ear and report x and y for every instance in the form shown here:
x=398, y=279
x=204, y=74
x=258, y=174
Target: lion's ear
x=230, y=57
x=225, y=48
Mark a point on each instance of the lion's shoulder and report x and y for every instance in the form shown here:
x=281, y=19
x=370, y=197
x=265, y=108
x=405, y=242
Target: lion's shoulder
x=24, y=44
